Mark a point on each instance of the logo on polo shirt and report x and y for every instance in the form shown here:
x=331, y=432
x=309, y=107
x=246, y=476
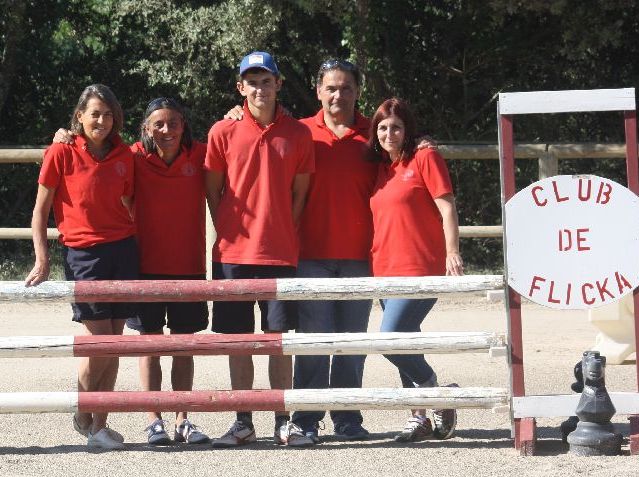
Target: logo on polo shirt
x=188, y=169
x=120, y=168
x=408, y=175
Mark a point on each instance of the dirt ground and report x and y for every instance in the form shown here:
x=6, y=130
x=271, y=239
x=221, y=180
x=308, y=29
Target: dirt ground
x=45, y=444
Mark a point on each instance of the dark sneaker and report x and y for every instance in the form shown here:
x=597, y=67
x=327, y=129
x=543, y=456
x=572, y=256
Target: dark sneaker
x=445, y=420
x=239, y=434
x=156, y=434
x=351, y=431
x=416, y=430
x=290, y=434
x=82, y=430
x=189, y=433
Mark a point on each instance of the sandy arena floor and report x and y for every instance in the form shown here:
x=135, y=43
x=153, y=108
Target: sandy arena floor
x=40, y=444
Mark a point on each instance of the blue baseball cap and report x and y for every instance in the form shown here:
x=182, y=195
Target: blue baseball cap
x=259, y=59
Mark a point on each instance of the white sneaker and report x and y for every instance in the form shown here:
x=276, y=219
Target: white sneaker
x=238, y=435
x=103, y=440
x=292, y=435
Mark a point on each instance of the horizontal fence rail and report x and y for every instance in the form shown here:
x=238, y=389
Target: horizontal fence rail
x=465, y=231
x=546, y=154
x=256, y=400
x=251, y=344
x=244, y=290
x=562, y=405
x=33, y=154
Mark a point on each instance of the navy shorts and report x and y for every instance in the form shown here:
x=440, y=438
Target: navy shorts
x=105, y=261
x=180, y=317
x=238, y=316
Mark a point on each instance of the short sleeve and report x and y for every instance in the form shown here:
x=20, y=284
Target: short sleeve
x=52, y=166
x=306, y=163
x=214, y=159
x=434, y=171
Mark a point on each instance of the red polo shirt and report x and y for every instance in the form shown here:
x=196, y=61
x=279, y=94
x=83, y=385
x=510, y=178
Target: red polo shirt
x=87, y=204
x=254, y=220
x=170, y=211
x=336, y=222
x=408, y=234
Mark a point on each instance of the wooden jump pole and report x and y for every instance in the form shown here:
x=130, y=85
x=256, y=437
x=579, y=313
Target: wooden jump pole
x=243, y=290
x=251, y=344
x=255, y=400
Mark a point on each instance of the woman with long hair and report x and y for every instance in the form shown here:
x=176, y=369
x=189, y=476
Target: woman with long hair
x=415, y=233
x=89, y=185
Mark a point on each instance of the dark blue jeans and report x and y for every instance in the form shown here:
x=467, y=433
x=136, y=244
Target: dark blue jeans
x=330, y=316
x=407, y=315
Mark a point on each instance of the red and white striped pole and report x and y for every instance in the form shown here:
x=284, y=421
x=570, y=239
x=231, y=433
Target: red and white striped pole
x=244, y=290
x=252, y=344
x=256, y=400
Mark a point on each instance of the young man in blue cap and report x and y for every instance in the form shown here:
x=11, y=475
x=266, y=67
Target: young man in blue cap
x=258, y=172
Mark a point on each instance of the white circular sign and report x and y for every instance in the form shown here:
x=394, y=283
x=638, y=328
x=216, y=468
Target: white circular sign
x=572, y=242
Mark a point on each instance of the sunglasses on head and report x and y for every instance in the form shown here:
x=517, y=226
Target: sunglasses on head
x=335, y=63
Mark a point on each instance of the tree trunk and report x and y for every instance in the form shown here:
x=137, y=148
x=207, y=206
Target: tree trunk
x=14, y=12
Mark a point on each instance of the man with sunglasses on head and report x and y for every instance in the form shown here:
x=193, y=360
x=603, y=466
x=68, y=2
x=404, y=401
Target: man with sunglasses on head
x=335, y=239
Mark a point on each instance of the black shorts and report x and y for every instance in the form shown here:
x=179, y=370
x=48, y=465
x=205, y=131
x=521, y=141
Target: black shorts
x=181, y=317
x=238, y=316
x=106, y=261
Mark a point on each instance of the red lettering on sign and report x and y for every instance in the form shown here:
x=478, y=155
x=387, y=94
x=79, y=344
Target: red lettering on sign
x=568, y=290
x=551, y=299
x=536, y=198
x=581, y=239
x=583, y=293
x=559, y=199
x=601, y=288
x=568, y=235
x=622, y=282
x=603, y=197
x=534, y=286
x=584, y=197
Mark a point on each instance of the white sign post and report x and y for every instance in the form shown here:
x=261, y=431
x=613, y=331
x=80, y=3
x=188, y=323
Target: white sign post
x=573, y=241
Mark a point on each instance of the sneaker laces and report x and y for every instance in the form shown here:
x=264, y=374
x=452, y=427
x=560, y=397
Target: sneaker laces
x=237, y=426
x=188, y=425
x=414, y=422
x=159, y=425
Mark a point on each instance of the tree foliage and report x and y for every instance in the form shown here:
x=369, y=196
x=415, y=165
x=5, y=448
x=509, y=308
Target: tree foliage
x=448, y=58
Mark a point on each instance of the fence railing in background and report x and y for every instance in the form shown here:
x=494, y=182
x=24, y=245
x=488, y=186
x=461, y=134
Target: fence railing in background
x=547, y=155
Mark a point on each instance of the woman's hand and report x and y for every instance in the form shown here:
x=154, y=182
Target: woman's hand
x=426, y=142
x=44, y=201
x=454, y=264
x=236, y=113
x=38, y=274
x=64, y=136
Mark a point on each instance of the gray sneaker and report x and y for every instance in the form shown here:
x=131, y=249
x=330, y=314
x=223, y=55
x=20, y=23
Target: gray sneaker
x=156, y=434
x=239, y=434
x=189, y=433
x=445, y=420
